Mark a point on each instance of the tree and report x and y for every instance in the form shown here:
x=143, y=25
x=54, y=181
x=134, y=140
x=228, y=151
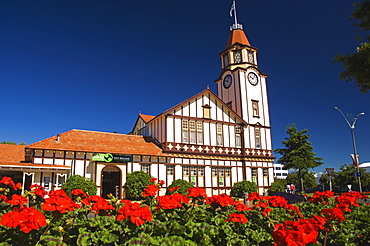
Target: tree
x=298, y=154
x=136, y=182
x=309, y=180
x=10, y=142
x=357, y=65
x=346, y=176
x=78, y=182
x=243, y=186
x=279, y=185
x=183, y=185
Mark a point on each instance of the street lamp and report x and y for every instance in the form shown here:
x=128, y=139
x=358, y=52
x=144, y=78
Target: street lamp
x=354, y=143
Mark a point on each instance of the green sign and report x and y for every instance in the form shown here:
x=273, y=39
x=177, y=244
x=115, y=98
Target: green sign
x=221, y=180
x=108, y=157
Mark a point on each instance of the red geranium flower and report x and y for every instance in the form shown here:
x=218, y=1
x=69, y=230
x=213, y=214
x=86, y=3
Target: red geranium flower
x=59, y=201
x=78, y=192
x=17, y=200
x=97, y=203
x=237, y=218
x=151, y=190
x=137, y=214
x=197, y=192
x=171, y=201
x=333, y=214
x=222, y=200
x=38, y=190
x=27, y=219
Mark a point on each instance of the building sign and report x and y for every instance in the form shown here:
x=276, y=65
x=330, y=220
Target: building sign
x=108, y=157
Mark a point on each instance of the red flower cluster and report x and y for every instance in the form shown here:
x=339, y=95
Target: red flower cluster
x=237, y=218
x=17, y=200
x=222, y=200
x=333, y=214
x=137, y=214
x=171, y=201
x=9, y=181
x=59, y=201
x=151, y=190
x=298, y=233
x=38, y=190
x=321, y=197
x=78, y=192
x=27, y=219
x=197, y=193
x=97, y=203
x=172, y=189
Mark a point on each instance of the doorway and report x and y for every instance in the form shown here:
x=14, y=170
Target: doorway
x=111, y=182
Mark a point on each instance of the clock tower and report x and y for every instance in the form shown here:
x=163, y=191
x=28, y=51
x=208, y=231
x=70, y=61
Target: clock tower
x=242, y=86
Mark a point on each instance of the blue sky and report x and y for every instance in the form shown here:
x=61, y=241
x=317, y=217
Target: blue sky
x=95, y=65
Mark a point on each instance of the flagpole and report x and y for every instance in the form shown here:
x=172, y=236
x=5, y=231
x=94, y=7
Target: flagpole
x=236, y=21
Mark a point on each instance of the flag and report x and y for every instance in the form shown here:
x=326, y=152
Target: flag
x=232, y=8
x=354, y=162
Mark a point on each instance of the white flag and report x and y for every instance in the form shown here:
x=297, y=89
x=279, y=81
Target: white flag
x=232, y=8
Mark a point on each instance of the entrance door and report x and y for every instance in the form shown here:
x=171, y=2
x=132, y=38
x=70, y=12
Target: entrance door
x=111, y=177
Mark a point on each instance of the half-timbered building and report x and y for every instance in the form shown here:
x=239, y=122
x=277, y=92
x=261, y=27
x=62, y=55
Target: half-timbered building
x=211, y=140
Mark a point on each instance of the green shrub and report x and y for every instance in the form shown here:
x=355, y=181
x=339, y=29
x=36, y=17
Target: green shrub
x=279, y=185
x=183, y=184
x=243, y=186
x=78, y=182
x=136, y=182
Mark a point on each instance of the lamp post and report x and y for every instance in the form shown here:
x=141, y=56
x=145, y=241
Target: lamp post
x=354, y=143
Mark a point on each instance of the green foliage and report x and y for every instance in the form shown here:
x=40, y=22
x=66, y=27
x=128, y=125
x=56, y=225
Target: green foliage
x=279, y=185
x=183, y=184
x=243, y=186
x=346, y=176
x=136, y=182
x=10, y=142
x=309, y=180
x=357, y=65
x=298, y=153
x=78, y=182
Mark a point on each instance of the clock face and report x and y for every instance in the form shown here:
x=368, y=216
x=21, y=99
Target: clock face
x=227, y=81
x=253, y=78
x=238, y=57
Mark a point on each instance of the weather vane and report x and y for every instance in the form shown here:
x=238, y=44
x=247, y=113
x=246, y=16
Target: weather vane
x=236, y=25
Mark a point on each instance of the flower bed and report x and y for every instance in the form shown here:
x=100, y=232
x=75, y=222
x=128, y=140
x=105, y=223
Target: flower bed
x=176, y=219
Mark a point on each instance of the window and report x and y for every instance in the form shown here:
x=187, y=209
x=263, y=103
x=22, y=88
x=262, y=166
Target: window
x=145, y=168
x=185, y=171
x=169, y=170
x=192, y=131
x=254, y=175
x=255, y=109
x=200, y=171
x=206, y=111
x=238, y=140
x=227, y=171
x=250, y=57
x=221, y=172
x=193, y=171
x=277, y=168
x=285, y=174
x=257, y=135
x=226, y=60
x=219, y=134
x=265, y=172
x=214, y=171
x=278, y=174
x=200, y=132
x=185, y=131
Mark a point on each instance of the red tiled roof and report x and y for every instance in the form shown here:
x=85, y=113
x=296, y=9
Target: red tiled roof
x=146, y=118
x=10, y=153
x=237, y=36
x=31, y=165
x=99, y=142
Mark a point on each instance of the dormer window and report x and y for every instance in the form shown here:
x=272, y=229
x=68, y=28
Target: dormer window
x=206, y=111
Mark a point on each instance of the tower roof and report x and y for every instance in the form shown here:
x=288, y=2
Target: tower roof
x=237, y=36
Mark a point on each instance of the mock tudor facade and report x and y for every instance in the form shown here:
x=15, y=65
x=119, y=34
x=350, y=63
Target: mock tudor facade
x=209, y=140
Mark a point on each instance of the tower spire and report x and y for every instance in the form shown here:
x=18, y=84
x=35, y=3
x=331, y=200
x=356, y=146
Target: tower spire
x=236, y=25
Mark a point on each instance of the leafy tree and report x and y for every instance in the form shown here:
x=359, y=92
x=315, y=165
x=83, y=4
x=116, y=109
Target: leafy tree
x=10, y=142
x=309, y=180
x=298, y=154
x=243, y=186
x=78, y=182
x=182, y=184
x=357, y=65
x=279, y=185
x=136, y=182
x=346, y=176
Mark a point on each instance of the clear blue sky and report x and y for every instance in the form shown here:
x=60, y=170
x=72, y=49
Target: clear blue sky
x=96, y=64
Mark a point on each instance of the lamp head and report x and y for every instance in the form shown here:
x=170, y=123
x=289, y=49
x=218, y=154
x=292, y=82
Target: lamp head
x=336, y=108
x=362, y=113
